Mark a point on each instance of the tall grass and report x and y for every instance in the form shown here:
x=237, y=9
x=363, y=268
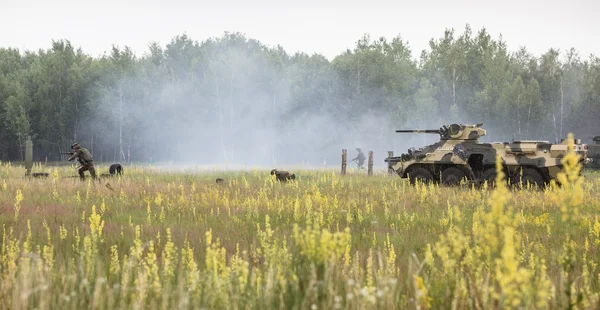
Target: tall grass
x=158, y=240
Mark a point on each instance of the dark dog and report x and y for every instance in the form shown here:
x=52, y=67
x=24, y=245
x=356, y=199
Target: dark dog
x=220, y=181
x=283, y=176
x=115, y=169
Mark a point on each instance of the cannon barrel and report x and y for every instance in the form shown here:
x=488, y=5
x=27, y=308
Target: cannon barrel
x=420, y=130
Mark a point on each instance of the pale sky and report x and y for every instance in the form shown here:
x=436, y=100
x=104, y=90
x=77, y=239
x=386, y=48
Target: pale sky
x=326, y=27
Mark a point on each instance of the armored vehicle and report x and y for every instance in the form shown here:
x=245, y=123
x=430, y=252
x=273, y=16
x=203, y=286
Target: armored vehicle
x=460, y=155
x=594, y=153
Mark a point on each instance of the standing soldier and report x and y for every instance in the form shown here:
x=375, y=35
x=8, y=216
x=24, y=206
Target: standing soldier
x=85, y=159
x=361, y=158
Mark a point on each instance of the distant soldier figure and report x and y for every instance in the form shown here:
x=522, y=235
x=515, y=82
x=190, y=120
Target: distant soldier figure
x=360, y=158
x=282, y=176
x=85, y=159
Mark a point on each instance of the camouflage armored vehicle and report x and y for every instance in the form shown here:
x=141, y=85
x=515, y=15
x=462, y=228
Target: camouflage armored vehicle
x=594, y=153
x=460, y=155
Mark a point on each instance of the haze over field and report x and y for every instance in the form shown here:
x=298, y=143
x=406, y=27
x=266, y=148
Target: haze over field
x=289, y=84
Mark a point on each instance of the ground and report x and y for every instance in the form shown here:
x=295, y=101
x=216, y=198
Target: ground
x=163, y=239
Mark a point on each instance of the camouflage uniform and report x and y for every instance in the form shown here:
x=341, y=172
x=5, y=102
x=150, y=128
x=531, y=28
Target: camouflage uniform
x=85, y=159
x=361, y=158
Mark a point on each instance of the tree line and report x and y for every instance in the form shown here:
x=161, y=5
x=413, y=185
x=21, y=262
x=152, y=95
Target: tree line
x=226, y=97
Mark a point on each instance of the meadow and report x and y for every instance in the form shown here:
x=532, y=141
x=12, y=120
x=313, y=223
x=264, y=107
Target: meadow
x=155, y=239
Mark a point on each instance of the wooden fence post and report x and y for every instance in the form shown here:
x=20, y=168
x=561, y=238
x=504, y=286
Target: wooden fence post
x=390, y=155
x=344, y=155
x=28, y=155
x=370, y=163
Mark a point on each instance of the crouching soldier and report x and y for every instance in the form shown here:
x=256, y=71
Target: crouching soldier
x=85, y=160
x=283, y=176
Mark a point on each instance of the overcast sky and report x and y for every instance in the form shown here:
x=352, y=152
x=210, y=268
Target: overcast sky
x=312, y=26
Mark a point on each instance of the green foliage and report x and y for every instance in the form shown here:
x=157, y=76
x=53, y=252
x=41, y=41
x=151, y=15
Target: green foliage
x=121, y=104
x=161, y=239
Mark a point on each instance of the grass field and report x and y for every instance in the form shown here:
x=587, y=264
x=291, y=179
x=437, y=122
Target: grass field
x=160, y=240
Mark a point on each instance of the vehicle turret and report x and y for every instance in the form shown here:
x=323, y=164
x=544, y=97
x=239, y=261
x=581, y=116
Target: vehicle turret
x=453, y=132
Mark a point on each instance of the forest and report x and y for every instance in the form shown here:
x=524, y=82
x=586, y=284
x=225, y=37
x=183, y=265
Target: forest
x=232, y=99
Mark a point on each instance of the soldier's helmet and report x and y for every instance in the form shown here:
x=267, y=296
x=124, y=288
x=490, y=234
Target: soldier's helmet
x=75, y=145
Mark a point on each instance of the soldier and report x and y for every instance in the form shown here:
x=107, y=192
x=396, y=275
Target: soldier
x=361, y=158
x=85, y=159
x=283, y=176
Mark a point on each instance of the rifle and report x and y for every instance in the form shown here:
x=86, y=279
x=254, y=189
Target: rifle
x=67, y=153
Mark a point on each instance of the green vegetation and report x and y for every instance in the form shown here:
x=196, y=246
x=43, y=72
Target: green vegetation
x=128, y=108
x=164, y=240
x=167, y=240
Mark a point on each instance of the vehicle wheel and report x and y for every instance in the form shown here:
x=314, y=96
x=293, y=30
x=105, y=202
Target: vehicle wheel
x=489, y=176
x=452, y=176
x=530, y=176
x=420, y=174
x=115, y=168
